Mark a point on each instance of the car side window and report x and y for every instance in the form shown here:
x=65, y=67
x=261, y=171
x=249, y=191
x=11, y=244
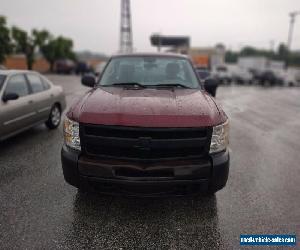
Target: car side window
x=2, y=80
x=45, y=84
x=17, y=84
x=35, y=83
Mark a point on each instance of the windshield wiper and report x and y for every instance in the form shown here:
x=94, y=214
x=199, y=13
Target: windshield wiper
x=171, y=85
x=128, y=84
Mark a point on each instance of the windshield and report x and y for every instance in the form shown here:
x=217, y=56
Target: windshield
x=2, y=79
x=149, y=71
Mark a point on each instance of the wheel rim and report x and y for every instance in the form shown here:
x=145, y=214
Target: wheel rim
x=55, y=116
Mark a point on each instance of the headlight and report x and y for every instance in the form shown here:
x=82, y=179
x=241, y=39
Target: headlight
x=71, y=134
x=220, y=138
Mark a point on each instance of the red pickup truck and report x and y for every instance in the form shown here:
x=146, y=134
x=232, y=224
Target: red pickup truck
x=146, y=128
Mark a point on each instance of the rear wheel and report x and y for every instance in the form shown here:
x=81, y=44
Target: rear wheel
x=54, y=117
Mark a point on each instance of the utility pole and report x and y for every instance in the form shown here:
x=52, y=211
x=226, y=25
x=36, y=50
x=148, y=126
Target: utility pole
x=290, y=34
x=126, y=44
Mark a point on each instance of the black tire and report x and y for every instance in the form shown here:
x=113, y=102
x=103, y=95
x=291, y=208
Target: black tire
x=54, y=117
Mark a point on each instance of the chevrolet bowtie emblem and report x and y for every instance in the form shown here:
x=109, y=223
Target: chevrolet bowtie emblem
x=143, y=143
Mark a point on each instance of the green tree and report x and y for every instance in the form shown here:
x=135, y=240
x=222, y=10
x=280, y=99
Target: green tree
x=248, y=51
x=294, y=59
x=231, y=56
x=252, y=51
x=28, y=44
x=282, y=52
x=58, y=48
x=49, y=52
x=5, y=41
x=23, y=44
x=41, y=37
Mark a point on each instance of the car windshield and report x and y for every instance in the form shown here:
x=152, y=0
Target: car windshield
x=2, y=79
x=147, y=71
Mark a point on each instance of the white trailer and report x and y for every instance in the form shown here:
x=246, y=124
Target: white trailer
x=253, y=62
x=260, y=63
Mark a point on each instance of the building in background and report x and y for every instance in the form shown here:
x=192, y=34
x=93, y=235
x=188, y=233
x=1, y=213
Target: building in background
x=19, y=62
x=176, y=44
x=207, y=57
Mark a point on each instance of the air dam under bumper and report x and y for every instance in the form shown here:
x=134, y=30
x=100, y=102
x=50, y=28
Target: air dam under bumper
x=154, y=179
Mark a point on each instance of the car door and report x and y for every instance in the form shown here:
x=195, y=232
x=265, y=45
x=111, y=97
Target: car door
x=16, y=114
x=42, y=96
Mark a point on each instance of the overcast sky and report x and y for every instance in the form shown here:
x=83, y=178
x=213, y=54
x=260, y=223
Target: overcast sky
x=94, y=24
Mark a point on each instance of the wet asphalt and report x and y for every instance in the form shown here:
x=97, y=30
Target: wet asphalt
x=38, y=210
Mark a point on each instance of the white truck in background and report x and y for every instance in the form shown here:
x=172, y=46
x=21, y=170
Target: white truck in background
x=291, y=77
x=253, y=63
x=260, y=64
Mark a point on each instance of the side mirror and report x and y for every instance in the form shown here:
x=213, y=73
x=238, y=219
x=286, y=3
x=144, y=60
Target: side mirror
x=88, y=80
x=210, y=85
x=10, y=97
x=98, y=74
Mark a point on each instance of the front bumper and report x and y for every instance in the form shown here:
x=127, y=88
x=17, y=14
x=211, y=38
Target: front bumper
x=151, y=179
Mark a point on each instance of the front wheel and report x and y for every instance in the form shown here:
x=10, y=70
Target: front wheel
x=54, y=117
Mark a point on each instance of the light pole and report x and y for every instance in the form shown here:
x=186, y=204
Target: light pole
x=126, y=43
x=291, y=28
x=290, y=34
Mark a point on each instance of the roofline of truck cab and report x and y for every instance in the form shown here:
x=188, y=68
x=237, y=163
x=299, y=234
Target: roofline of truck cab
x=152, y=54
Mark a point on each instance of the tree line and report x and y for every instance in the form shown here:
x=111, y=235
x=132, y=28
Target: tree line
x=282, y=53
x=16, y=40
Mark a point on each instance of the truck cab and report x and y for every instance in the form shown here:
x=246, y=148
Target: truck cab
x=146, y=128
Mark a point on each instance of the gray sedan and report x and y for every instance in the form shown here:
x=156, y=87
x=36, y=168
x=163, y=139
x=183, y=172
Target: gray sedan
x=28, y=99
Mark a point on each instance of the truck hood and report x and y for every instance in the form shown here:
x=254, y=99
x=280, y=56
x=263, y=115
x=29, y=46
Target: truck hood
x=147, y=108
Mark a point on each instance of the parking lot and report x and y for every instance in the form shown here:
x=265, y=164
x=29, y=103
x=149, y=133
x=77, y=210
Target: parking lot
x=40, y=211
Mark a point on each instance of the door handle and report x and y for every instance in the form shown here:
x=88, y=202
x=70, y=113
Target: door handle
x=30, y=102
x=51, y=95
